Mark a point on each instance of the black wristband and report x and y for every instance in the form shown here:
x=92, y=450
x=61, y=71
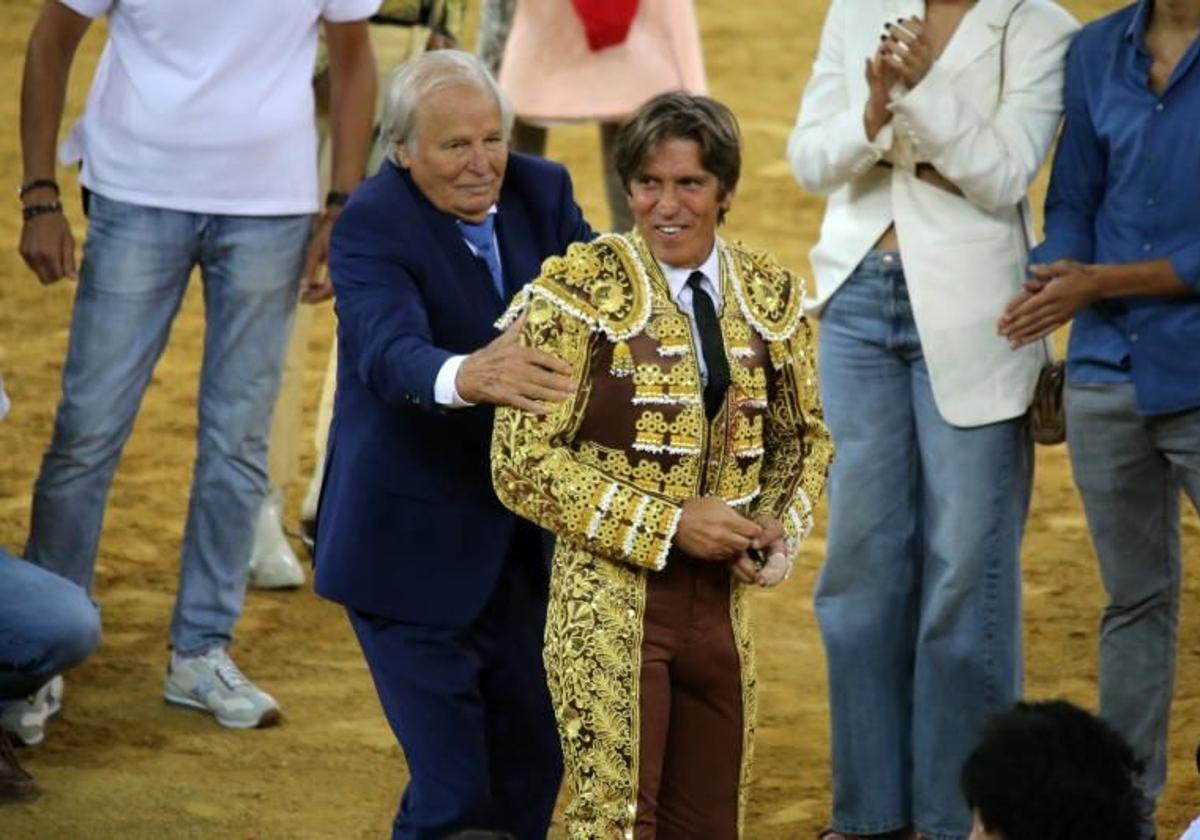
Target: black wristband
x=31, y=211
x=36, y=183
x=333, y=198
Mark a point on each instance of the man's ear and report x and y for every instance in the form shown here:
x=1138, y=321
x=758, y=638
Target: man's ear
x=723, y=204
x=726, y=201
x=400, y=153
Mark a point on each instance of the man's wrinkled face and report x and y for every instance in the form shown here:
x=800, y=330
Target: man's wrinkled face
x=676, y=203
x=458, y=153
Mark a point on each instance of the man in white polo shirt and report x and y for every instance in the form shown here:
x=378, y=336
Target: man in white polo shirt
x=198, y=149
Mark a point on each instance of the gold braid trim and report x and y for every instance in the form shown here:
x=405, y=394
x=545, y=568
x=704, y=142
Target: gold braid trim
x=593, y=657
x=615, y=524
x=797, y=444
x=596, y=287
x=771, y=297
x=739, y=611
x=610, y=532
x=601, y=283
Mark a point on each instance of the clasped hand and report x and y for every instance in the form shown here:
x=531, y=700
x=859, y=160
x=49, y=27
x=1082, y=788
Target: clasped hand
x=904, y=55
x=709, y=529
x=1055, y=293
x=506, y=372
x=905, y=51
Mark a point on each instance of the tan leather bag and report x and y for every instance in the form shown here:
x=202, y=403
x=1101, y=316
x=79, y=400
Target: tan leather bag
x=1047, y=418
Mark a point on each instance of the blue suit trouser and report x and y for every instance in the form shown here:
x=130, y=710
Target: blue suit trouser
x=471, y=710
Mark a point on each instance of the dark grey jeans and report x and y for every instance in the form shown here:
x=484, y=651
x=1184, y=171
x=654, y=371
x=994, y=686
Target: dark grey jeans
x=1129, y=470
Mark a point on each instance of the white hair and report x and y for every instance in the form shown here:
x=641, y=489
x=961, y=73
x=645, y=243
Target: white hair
x=414, y=80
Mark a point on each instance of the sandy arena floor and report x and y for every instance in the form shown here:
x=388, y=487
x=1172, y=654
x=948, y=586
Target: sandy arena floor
x=118, y=762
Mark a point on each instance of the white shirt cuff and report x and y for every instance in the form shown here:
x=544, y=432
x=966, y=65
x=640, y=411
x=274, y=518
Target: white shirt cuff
x=445, y=392
x=884, y=139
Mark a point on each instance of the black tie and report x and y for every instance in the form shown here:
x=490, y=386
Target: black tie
x=711, y=344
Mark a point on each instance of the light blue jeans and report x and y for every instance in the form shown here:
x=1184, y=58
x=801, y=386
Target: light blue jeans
x=919, y=598
x=1130, y=470
x=136, y=265
x=47, y=625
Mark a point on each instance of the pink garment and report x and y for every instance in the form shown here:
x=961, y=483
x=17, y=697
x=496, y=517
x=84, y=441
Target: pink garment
x=551, y=75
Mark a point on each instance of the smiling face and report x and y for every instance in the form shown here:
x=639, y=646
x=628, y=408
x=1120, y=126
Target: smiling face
x=676, y=203
x=458, y=154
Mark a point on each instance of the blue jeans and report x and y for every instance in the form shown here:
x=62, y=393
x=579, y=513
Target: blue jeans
x=1129, y=470
x=47, y=625
x=919, y=598
x=136, y=266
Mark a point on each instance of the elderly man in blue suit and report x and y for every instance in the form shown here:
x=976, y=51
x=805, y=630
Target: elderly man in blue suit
x=444, y=587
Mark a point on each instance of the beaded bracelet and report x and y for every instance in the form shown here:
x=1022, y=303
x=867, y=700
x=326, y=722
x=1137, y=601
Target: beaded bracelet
x=37, y=183
x=31, y=211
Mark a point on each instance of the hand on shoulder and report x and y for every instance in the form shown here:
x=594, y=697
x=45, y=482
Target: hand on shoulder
x=506, y=372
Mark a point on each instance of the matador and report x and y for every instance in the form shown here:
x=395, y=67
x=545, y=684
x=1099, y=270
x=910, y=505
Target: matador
x=693, y=441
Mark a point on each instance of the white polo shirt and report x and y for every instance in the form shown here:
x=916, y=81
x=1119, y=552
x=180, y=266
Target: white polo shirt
x=205, y=105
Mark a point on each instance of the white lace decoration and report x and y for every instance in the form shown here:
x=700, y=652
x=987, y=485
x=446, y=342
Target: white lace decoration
x=621, y=242
x=800, y=514
x=638, y=517
x=739, y=292
x=605, y=502
x=666, y=399
x=658, y=449
x=660, y=561
x=747, y=499
x=515, y=307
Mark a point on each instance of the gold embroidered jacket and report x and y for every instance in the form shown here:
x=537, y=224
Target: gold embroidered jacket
x=609, y=470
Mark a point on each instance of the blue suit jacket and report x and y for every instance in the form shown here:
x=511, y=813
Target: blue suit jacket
x=409, y=527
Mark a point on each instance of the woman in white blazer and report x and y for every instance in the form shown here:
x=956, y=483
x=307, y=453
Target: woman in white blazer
x=923, y=125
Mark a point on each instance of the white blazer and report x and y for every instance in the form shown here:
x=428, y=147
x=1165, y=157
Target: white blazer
x=964, y=256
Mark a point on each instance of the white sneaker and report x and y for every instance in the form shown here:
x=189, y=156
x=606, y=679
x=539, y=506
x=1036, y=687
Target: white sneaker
x=308, y=507
x=312, y=493
x=273, y=564
x=26, y=719
x=212, y=682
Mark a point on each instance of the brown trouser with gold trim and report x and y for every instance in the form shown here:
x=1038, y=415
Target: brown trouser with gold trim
x=691, y=705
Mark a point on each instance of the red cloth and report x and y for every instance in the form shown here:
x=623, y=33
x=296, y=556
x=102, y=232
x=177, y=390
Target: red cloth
x=605, y=22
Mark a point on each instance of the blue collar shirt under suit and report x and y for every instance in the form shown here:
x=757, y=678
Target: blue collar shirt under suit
x=1125, y=187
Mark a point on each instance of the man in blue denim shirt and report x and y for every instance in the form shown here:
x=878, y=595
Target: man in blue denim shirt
x=1122, y=257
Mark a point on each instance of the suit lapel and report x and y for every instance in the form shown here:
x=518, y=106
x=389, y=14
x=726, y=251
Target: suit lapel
x=467, y=271
x=517, y=254
x=979, y=31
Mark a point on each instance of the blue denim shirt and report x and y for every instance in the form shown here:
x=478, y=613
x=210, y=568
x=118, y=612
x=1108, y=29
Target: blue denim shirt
x=1125, y=187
